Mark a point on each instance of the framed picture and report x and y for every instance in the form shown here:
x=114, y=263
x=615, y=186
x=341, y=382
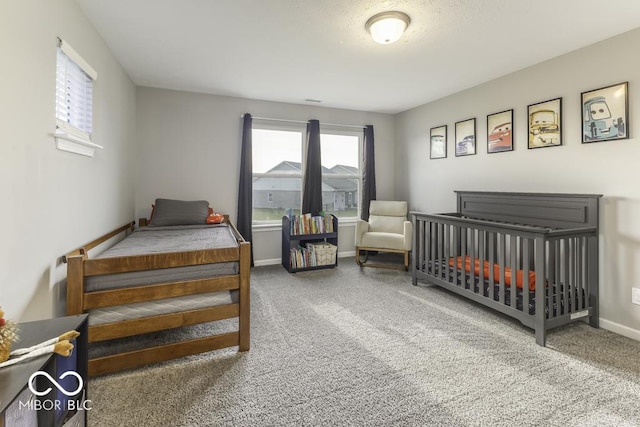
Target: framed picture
x=466, y=137
x=605, y=114
x=545, y=123
x=438, y=142
x=500, y=131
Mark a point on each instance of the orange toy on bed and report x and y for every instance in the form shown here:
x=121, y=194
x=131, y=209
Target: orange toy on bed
x=496, y=272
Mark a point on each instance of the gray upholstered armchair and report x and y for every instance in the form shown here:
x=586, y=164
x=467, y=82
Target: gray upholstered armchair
x=386, y=231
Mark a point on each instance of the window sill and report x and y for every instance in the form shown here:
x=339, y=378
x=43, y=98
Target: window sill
x=74, y=144
x=351, y=222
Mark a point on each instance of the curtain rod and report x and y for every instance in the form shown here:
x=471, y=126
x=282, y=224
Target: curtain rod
x=300, y=121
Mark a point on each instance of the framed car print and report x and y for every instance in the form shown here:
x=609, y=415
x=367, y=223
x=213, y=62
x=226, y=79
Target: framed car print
x=438, y=142
x=605, y=114
x=500, y=132
x=545, y=123
x=466, y=137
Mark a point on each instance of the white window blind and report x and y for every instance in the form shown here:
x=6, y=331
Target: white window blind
x=74, y=100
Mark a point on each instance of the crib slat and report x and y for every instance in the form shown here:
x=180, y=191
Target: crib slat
x=501, y=262
x=579, y=271
x=482, y=259
x=472, y=257
x=513, y=246
x=566, y=276
x=525, y=274
x=447, y=252
x=492, y=260
x=551, y=281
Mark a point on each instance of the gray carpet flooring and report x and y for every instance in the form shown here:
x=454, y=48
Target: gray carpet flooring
x=347, y=346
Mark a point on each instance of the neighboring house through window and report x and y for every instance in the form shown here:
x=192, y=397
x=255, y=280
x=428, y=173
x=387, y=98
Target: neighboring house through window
x=278, y=170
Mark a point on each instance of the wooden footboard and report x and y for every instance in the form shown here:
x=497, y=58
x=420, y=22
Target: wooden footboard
x=80, y=266
x=550, y=241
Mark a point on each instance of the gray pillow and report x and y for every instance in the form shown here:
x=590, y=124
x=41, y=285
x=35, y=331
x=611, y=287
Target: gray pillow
x=179, y=212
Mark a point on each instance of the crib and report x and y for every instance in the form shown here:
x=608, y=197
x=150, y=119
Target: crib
x=531, y=256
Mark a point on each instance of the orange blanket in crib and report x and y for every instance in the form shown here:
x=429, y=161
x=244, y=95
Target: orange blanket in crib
x=496, y=272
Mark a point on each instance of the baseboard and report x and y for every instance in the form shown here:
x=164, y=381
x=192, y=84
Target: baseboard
x=619, y=329
x=277, y=261
x=263, y=262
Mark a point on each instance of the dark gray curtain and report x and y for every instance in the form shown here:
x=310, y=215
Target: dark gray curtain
x=312, y=179
x=245, y=190
x=369, y=173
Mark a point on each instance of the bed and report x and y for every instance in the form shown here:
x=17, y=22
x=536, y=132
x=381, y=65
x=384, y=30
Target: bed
x=172, y=271
x=531, y=256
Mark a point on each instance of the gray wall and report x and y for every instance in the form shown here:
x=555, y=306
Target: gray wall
x=189, y=147
x=54, y=201
x=608, y=168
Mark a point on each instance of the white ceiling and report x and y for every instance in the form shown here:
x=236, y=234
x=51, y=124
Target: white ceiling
x=294, y=50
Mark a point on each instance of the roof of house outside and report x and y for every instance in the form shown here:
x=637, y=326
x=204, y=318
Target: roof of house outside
x=266, y=183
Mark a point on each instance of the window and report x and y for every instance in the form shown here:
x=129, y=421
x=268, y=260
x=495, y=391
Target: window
x=277, y=172
x=277, y=153
x=74, y=101
x=340, y=173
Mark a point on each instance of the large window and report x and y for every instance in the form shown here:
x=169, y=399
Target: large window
x=277, y=173
x=340, y=174
x=278, y=170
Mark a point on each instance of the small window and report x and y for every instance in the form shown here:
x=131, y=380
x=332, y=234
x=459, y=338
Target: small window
x=74, y=101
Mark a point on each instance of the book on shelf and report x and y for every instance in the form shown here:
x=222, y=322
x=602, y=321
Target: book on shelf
x=313, y=255
x=308, y=224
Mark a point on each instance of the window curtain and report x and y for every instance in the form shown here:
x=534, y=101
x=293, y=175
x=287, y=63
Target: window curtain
x=245, y=190
x=368, y=173
x=312, y=179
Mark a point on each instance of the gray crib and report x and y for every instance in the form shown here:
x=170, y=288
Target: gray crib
x=531, y=256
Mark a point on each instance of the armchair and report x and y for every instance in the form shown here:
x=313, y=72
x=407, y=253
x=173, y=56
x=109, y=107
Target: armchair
x=386, y=231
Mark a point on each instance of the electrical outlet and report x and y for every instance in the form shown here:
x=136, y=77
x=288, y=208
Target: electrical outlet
x=635, y=295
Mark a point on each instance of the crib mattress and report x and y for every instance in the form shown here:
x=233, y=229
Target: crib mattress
x=151, y=240
x=554, y=291
x=118, y=313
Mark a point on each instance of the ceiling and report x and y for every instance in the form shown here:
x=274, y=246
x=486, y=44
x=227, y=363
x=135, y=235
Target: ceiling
x=300, y=50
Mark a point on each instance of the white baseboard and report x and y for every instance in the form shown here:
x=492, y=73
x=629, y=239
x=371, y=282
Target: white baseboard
x=263, y=262
x=619, y=329
x=277, y=261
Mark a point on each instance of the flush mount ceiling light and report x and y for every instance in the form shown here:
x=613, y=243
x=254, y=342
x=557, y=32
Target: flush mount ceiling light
x=387, y=27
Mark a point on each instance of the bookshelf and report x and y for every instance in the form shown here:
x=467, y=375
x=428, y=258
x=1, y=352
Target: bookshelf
x=309, y=243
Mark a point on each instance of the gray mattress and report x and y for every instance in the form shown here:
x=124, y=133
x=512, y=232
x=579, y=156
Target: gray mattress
x=150, y=240
x=118, y=313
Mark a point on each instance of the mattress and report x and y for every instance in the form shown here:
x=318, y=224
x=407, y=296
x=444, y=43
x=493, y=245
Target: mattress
x=152, y=240
x=555, y=291
x=118, y=313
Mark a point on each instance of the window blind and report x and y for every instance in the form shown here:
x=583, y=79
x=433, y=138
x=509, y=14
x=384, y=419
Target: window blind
x=74, y=93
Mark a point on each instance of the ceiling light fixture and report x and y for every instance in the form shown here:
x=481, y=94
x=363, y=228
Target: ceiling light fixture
x=387, y=27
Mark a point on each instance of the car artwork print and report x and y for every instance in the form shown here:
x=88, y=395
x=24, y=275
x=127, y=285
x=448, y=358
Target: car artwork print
x=545, y=123
x=605, y=114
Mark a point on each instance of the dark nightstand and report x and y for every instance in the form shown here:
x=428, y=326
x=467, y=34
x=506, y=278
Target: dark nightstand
x=19, y=406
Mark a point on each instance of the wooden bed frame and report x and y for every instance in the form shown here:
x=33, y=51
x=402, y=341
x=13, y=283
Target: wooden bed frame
x=551, y=239
x=79, y=266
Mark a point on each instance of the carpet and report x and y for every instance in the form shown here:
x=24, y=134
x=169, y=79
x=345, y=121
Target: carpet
x=351, y=346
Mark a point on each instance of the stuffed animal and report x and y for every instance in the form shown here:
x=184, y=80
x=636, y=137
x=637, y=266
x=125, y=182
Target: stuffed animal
x=8, y=335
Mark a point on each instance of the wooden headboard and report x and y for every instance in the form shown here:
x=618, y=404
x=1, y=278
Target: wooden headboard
x=554, y=210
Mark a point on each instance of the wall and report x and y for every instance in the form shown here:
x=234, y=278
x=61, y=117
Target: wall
x=607, y=168
x=54, y=201
x=190, y=149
